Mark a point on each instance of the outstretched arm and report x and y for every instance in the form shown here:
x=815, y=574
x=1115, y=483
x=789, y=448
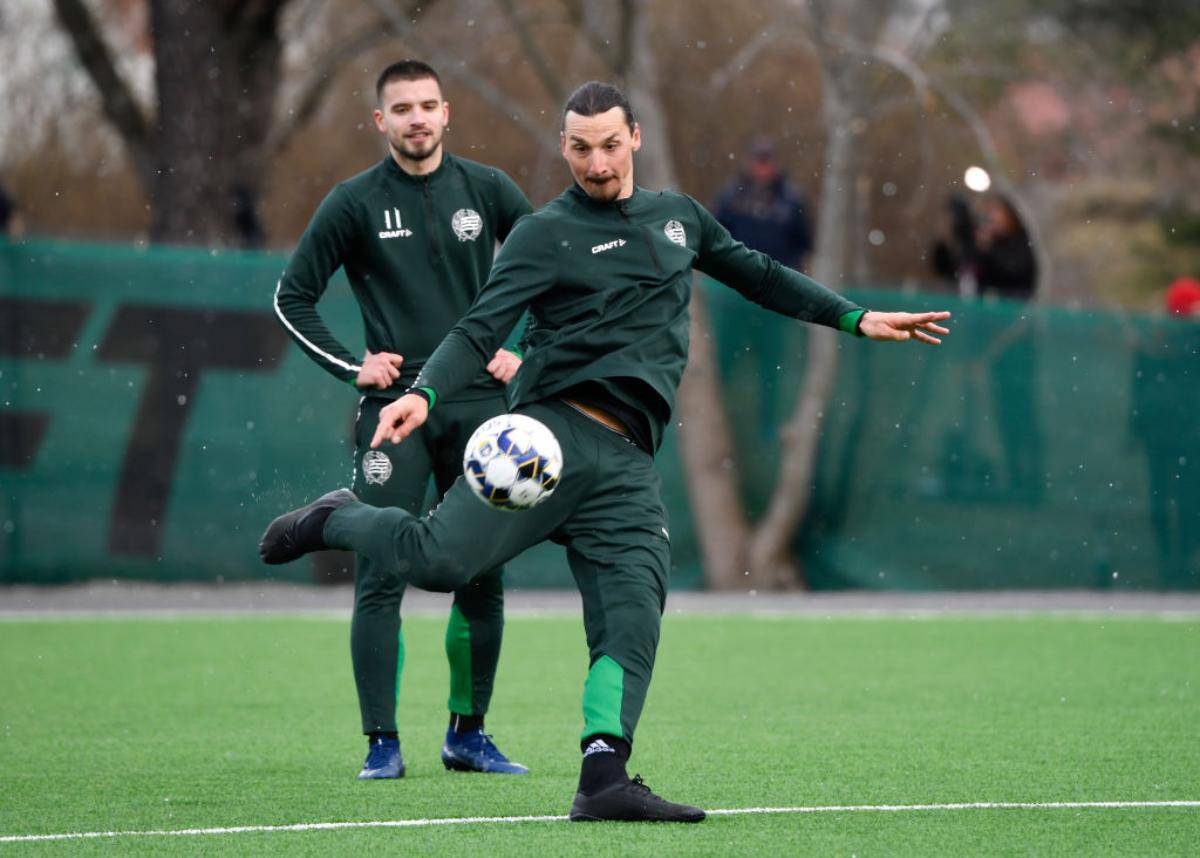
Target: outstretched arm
x=766, y=282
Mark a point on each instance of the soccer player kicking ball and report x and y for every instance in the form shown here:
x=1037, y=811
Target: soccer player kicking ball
x=605, y=271
x=416, y=235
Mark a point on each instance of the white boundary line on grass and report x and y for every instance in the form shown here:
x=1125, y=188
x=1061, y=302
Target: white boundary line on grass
x=486, y=820
x=209, y=614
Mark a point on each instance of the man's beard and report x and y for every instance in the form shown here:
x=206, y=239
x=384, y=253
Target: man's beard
x=417, y=152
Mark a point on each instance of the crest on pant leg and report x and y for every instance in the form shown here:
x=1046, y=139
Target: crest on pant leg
x=377, y=467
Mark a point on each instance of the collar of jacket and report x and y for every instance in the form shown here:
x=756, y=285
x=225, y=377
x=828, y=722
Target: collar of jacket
x=432, y=178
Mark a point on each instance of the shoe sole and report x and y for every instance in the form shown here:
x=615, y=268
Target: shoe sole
x=274, y=549
x=453, y=764
x=381, y=777
x=609, y=811
x=584, y=817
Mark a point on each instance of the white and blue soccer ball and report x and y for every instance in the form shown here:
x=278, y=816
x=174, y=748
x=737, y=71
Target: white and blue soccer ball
x=512, y=462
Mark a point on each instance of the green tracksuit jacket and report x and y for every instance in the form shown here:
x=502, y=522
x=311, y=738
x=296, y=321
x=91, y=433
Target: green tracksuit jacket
x=607, y=285
x=400, y=239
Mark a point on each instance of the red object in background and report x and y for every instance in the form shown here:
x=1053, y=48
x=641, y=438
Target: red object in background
x=1183, y=296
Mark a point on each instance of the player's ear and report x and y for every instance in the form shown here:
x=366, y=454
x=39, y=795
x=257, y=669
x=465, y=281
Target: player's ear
x=636, y=137
x=446, y=114
x=562, y=143
x=377, y=115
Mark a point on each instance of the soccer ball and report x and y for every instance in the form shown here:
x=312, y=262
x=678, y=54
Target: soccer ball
x=512, y=462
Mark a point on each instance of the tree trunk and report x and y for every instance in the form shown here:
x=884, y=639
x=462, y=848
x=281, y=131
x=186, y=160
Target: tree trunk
x=709, y=462
x=772, y=562
x=188, y=195
x=705, y=442
x=217, y=73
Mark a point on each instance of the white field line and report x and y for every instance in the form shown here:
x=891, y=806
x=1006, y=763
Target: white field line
x=493, y=820
x=209, y=614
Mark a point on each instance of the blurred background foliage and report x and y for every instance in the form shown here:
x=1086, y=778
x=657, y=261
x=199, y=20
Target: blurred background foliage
x=1091, y=106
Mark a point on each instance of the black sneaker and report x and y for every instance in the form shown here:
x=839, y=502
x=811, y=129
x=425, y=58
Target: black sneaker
x=631, y=801
x=300, y=531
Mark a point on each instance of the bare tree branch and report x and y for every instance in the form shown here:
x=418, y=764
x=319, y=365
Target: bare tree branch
x=748, y=53
x=120, y=107
x=451, y=66
x=312, y=92
x=577, y=14
x=533, y=51
x=923, y=83
x=624, y=58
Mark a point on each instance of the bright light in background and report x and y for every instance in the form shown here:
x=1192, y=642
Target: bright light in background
x=977, y=179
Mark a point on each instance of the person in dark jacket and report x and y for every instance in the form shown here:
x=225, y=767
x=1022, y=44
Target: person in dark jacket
x=994, y=258
x=762, y=209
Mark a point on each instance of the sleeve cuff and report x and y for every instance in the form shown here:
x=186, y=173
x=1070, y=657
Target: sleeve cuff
x=428, y=392
x=849, y=322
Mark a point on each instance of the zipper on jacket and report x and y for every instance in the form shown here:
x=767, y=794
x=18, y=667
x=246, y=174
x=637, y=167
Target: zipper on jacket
x=434, y=244
x=645, y=231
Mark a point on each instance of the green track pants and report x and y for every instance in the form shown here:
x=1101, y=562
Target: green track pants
x=399, y=477
x=607, y=512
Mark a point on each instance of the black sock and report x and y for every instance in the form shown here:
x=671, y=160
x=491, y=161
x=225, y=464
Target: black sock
x=372, y=738
x=604, y=759
x=465, y=723
x=310, y=529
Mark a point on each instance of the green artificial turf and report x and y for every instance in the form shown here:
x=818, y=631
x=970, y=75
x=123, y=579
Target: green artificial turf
x=199, y=723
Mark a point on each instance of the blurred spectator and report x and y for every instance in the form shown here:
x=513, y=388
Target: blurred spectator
x=761, y=209
x=250, y=232
x=992, y=257
x=1167, y=427
x=11, y=222
x=1183, y=297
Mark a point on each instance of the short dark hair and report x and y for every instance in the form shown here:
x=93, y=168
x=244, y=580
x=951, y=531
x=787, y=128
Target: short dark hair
x=597, y=97
x=405, y=70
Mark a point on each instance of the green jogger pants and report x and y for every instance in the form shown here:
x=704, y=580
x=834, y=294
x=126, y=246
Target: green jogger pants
x=399, y=477
x=607, y=512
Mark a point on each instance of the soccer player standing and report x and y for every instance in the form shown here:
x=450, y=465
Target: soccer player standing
x=605, y=271
x=416, y=236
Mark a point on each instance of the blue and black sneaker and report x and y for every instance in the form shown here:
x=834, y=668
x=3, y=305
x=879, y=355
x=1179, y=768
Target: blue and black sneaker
x=473, y=751
x=383, y=760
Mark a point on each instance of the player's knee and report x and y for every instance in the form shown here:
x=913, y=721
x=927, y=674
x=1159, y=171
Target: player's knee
x=441, y=573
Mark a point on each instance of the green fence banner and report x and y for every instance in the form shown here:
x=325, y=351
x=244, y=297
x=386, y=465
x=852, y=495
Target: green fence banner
x=154, y=416
x=1036, y=448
